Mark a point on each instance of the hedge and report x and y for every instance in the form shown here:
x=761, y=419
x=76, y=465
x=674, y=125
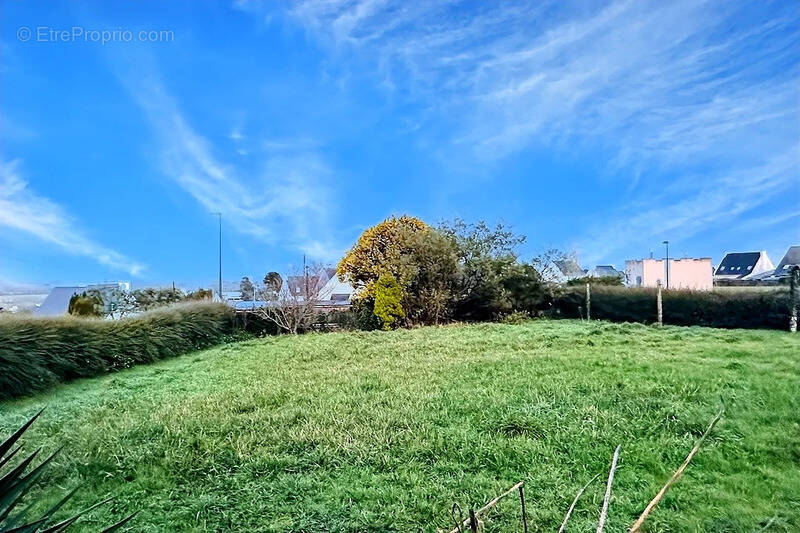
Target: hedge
x=38, y=352
x=728, y=308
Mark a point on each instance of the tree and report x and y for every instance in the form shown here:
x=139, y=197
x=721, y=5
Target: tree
x=273, y=282
x=486, y=257
x=429, y=294
x=247, y=289
x=545, y=263
x=383, y=248
x=526, y=291
x=294, y=311
x=85, y=304
x=199, y=295
x=388, y=298
x=478, y=240
x=420, y=259
x=147, y=299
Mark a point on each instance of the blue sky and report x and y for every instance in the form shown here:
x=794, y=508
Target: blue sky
x=601, y=128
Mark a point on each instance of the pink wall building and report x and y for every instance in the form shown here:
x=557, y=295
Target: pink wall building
x=686, y=273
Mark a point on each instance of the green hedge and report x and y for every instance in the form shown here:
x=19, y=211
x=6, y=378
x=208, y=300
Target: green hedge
x=726, y=308
x=38, y=352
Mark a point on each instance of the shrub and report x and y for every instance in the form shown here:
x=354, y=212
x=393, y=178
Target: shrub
x=723, y=309
x=38, y=352
x=613, y=281
x=85, y=304
x=388, y=298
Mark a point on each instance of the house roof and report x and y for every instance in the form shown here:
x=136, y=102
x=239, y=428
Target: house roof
x=737, y=264
x=791, y=258
x=603, y=271
x=336, y=290
x=570, y=268
x=57, y=302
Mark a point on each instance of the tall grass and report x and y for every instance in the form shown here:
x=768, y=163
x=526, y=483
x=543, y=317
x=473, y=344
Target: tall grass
x=383, y=431
x=729, y=308
x=37, y=352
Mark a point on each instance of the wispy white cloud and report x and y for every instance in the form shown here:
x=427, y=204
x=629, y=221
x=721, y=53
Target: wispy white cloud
x=719, y=198
x=285, y=202
x=23, y=210
x=699, y=97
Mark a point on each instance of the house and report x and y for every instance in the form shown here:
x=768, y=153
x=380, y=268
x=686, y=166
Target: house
x=606, y=271
x=743, y=266
x=315, y=282
x=57, y=302
x=687, y=273
x=567, y=269
x=790, y=260
x=336, y=292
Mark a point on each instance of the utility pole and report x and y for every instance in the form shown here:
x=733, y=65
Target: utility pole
x=220, y=255
x=305, y=276
x=666, y=243
x=794, y=281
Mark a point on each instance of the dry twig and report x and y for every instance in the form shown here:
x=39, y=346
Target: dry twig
x=676, y=476
x=607, y=497
x=489, y=505
x=574, y=502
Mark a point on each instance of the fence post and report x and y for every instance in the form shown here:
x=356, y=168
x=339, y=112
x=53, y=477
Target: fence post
x=473, y=522
x=659, y=308
x=588, y=303
x=793, y=282
x=524, y=515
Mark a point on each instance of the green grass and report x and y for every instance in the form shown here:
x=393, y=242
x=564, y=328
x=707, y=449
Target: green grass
x=384, y=431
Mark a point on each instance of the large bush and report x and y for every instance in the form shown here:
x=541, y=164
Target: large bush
x=723, y=309
x=37, y=352
x=491, y=282
x=420, y=259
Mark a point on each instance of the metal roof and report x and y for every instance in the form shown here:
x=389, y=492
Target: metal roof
x=57, y=302
x=792, y=257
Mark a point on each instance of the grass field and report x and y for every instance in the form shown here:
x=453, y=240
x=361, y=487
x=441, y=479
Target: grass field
x=384, y=431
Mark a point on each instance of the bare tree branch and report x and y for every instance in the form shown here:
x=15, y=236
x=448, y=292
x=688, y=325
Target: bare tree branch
x=294, y=306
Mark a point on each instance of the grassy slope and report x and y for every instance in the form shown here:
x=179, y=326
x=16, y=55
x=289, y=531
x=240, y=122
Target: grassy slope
x=358, y=431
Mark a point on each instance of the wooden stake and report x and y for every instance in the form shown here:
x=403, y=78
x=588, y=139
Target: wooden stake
x=574, y=502
x=588, y=303
x=676, y=476
x=473, y=521
x=659, y=308
x=607, y=497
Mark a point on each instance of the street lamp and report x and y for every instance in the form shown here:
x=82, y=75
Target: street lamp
x=220, y=254
x=666, y=243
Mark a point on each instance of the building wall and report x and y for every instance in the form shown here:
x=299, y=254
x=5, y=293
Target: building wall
x=633, y=273
x=763, y=265
x=694, y=274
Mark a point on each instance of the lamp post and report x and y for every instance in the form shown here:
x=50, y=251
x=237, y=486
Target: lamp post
x=666, y=243
x=220, y=254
